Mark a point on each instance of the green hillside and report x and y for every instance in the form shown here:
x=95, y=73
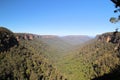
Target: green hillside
x=25, y=61
x=57, y=48
x=76, y=39
x=26, y=56
x=93, y=60
x=7, y=39
x=61, y=46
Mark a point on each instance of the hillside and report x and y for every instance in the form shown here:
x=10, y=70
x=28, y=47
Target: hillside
x=76, y=39
x=58, y=46
x=56, y=42
x=95, y=60
x=7, y=39
x=24, y=61
x=25, y=56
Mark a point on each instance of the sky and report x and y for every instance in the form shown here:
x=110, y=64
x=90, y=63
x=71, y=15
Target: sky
x=58, y=17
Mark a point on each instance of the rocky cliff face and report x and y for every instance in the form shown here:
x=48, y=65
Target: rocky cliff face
x=7, y=39
x=113, y=37
x=110, y=37
x=24, y=36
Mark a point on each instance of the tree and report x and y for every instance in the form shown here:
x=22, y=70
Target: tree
x=117, y=6
x=116, y=2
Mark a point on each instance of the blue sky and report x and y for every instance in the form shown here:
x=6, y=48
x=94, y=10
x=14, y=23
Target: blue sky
x=58, y=17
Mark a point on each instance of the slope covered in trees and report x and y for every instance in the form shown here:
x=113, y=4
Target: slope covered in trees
x=38, y=57
x=24, y=61
x=7, y=39
x=55, y=46
x=95, y=59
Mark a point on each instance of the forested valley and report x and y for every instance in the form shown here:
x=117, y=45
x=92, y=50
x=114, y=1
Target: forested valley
x=25, y=56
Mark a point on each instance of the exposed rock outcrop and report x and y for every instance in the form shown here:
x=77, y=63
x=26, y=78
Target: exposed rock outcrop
x=113, y=37
x=110, y=37
x=25, y=36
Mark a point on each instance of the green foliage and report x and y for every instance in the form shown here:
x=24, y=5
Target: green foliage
x=92, y=60
x=7, y=39
x=113, y=20
x=54, y=59
x=26, y=62
x=117, y=6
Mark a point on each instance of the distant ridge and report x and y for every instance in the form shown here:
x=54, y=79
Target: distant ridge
x=69, y=39
x=76, y=39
